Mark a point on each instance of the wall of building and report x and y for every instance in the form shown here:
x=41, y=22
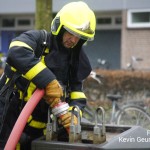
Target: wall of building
x=135, y=42
x=105, y=47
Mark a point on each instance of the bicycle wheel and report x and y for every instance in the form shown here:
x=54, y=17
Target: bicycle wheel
x=133, y=115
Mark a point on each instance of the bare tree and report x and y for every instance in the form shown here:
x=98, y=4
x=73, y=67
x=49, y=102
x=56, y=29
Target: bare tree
x=43, y=15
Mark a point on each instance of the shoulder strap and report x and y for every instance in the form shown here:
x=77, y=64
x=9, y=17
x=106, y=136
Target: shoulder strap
x=8, y=88
x=2, y=80
x=45, y=38
x=44, y=42
x=11, y=85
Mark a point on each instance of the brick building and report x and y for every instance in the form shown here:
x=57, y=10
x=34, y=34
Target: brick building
x=135, y=41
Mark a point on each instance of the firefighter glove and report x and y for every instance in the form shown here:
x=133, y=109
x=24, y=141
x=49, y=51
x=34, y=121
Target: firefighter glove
x=53, y=101
x=53, y=93
x=65, y=120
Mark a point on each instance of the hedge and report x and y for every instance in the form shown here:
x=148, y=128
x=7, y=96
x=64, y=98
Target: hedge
x=135, y=83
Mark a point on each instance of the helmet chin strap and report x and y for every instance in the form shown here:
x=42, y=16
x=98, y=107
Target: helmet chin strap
x=74, y=45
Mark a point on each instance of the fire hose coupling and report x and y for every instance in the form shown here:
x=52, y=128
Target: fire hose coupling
x=60, y=109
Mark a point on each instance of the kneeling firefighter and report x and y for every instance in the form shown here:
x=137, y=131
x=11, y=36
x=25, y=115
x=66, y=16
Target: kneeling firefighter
x=50, y=61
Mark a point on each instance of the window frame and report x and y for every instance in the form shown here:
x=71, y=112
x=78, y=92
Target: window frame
x=131, y=24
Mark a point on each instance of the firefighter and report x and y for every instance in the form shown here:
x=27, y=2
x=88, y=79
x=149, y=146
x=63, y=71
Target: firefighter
x=52, y=61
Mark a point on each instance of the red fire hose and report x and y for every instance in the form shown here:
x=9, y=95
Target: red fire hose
x=22, y=120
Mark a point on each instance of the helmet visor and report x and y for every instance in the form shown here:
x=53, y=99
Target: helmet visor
x=83, y=37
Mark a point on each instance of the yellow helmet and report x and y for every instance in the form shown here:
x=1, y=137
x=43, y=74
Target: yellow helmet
x=77, y=18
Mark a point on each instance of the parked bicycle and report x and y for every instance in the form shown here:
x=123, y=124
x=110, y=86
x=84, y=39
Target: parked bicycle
x=132, y=113
x=129, y=114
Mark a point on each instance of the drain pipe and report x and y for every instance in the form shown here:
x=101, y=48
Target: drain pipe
x=22, y=119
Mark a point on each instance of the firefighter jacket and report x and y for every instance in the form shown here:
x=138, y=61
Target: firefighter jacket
x=40, y=58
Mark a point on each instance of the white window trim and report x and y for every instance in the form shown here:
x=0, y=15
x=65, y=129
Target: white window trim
x=130, y=24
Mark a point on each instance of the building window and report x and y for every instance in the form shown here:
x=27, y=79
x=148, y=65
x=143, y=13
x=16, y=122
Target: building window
x=23, y=22
x=8, y=22
x=138, y=18
x=103, y=21
x=109, y=21
x=141, y=17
